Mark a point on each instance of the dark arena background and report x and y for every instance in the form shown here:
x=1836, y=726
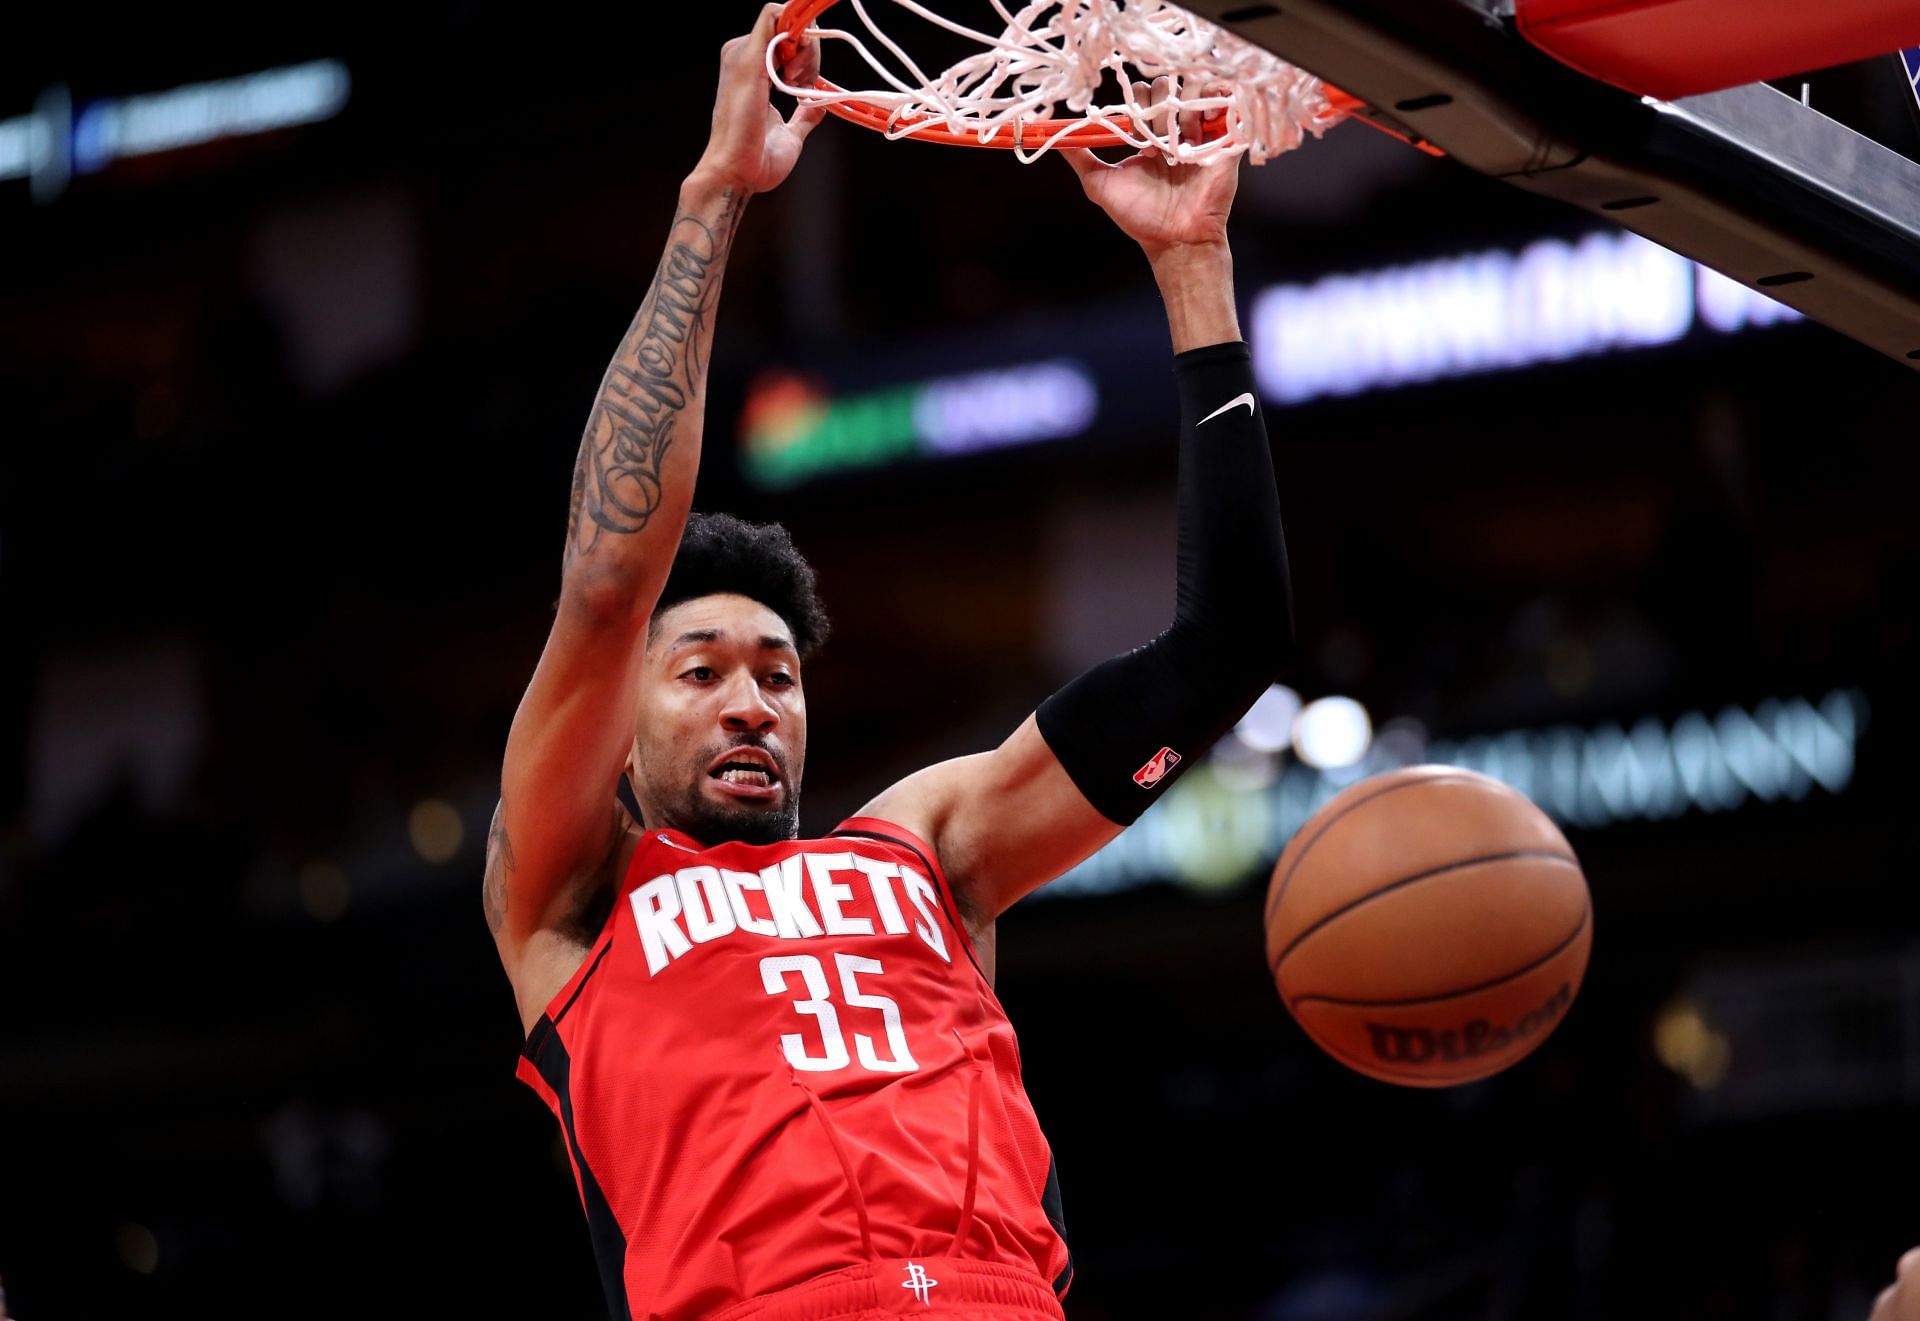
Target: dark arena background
x=302, y=313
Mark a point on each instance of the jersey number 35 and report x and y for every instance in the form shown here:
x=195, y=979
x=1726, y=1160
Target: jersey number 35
x=818, y=1003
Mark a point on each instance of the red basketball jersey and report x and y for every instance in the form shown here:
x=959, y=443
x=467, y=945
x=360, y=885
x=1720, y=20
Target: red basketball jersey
x=782, y=1060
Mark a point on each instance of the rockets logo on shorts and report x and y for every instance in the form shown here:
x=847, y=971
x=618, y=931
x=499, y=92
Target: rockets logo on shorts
x=1158, y=767
x=920, y=1282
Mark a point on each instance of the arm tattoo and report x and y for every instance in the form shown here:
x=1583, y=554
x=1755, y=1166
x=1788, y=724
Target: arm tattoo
x=661, y=365
x=493, y=892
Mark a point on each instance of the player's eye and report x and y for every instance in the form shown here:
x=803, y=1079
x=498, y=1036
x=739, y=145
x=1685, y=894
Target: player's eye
x=701, y=674
x=780, y=679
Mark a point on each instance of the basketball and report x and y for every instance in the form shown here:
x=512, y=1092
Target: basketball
x=1428, y=927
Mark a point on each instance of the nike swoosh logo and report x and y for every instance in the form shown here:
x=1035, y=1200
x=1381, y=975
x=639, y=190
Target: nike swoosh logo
x=1227, y=407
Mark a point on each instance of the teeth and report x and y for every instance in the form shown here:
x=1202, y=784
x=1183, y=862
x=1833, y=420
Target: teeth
x=745, y=775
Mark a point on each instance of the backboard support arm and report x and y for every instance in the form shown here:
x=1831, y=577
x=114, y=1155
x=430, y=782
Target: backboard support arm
x=1748, y=181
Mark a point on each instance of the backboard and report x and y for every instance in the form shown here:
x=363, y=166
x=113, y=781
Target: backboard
x=1750, y=181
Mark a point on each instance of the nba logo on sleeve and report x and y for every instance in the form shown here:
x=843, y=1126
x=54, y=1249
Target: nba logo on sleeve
x=1156, y=768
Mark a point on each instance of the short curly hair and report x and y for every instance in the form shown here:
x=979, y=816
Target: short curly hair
x=721, y=553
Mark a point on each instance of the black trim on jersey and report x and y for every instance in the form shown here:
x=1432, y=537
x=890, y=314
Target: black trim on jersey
x=549, y=1055
x=1057, y=1217
x=583, y=983
x=948, y=904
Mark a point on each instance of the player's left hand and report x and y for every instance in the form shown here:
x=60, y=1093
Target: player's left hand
x=1900, y=1301
x=1158, y=204
x=751, y=147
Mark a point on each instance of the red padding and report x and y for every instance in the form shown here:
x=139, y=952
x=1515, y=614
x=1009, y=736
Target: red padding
x=1674, y=48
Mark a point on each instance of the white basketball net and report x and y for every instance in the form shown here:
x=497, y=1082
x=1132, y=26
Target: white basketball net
x=1052, y=56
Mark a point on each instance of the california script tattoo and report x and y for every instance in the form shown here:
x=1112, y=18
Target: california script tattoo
x=493, y=892
x=660, y=366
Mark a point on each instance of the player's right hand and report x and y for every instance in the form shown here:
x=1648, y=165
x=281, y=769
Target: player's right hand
x=1900, y=1301
x=1157, y=204
x=751, y=146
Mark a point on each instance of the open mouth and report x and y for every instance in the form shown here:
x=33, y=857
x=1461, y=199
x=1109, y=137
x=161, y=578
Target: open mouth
x=748, y=772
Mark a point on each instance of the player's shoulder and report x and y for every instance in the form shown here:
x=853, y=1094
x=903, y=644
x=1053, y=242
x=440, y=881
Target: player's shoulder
x=885, y=829
x=921, y=803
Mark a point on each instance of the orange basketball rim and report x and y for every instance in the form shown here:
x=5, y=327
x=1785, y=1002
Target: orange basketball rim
x=1030, y=134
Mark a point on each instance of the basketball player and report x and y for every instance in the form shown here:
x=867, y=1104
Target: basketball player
x=786, y=1087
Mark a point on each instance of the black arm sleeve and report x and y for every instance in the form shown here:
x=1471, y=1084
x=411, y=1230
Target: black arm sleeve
x=1127, y=727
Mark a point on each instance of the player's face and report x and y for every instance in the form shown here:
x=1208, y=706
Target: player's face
x=721, y=734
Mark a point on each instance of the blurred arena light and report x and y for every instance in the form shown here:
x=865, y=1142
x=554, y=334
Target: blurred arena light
x=1242, y=767
x=1218, y=838
x=1268, y=724
x=434, y=827
x=1332, y=732
x=324, y=891
x=56, y=141
x=1344, y=334
x=1689, y=1045
x=793, y=427
x=1778, y=750
x=1488, y=311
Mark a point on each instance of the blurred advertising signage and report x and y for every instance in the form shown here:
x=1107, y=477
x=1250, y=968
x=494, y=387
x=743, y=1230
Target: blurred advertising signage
x=793, y=427
x=58, y=139
x=1211, y=833
x=1489, y=311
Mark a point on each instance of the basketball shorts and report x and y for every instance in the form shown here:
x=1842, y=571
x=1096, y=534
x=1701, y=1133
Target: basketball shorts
x=936, y=1287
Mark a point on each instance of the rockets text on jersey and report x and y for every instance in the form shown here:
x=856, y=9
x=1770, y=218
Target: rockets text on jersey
x=796, y=898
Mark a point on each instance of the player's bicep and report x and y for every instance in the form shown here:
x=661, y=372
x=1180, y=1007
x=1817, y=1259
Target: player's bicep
x=564, y=755
x=1004, y=822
